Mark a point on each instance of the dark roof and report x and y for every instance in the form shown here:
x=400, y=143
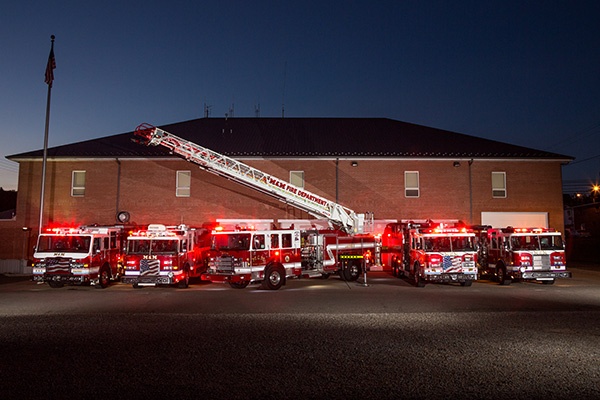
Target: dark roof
x=305, y=137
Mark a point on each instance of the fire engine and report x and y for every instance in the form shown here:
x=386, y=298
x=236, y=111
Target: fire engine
x=271, y=257
x=430, y=252
x=164, y=255
x=240, y=258
x=522, y=253
x=76, y=256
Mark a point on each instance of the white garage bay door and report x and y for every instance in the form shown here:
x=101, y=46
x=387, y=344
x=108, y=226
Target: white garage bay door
x=515, y=219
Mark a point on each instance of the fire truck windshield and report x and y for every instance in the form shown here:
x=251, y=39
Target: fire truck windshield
x=463, y=243
x=450, y=243
x=152, y=246
x=536, y=242
x=237, y=241
x=437, y=244
x=64, y=243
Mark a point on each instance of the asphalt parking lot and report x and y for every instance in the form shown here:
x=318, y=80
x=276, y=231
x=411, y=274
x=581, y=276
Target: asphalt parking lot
x=312, y=339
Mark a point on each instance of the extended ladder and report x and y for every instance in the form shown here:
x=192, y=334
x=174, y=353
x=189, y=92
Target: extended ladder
x=244, y=174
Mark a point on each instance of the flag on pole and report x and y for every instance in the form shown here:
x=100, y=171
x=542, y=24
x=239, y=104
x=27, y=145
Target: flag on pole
x=50, y=66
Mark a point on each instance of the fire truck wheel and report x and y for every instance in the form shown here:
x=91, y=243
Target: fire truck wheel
x=351, y=272
x=466, y=283
x=419, y=282
x=501, y=276
x=550, y=282
x=325, y=276
x=185, y=282
x=274, y=277
x=103, y=278
x=55, y=285
x=239, y=285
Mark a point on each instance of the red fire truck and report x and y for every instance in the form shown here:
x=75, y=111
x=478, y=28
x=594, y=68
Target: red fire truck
x=76, y=256
x=340, y=249
x=272, y=256
x=430, y=252
x=510, y=253
x=164, y=255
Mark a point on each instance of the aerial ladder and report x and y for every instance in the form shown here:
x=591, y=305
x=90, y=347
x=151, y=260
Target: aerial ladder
x=221, y=165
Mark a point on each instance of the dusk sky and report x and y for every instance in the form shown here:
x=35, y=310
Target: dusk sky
x=521, y=72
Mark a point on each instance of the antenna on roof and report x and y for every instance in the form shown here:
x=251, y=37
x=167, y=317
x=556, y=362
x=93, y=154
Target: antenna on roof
x=206, y=110
x=231, y=110
x=257, y=110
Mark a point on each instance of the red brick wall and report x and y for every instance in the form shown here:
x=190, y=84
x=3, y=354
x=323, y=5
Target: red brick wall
x=146, y=189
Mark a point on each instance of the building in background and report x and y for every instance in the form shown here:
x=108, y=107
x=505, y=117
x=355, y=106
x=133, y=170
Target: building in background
x=394, y=169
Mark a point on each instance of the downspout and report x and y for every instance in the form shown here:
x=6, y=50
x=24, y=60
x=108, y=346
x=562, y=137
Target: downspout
x=470, y=191
x=337, y=162
x=118, y=185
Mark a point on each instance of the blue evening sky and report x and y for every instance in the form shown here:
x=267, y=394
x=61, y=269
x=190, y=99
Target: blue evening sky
x=521, y=72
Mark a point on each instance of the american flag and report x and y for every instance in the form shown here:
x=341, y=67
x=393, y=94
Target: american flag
x=58, y=265
x=452, y=264
x=50, y=67
x=149, y=267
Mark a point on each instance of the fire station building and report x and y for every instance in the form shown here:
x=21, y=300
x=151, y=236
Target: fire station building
x=393, y=169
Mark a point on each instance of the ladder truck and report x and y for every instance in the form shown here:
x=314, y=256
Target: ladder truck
x=238, y=259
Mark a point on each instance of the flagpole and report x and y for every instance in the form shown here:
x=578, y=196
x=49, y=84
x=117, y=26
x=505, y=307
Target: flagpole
x=49, y=78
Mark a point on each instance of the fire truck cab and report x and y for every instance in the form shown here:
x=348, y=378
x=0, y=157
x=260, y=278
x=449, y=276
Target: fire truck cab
x=522, y=253
x=431, y=252
x=270, y=257
x=76, y=256
x=165, y=255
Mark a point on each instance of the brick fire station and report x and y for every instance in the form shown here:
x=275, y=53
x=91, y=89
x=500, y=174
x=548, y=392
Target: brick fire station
x=396, y=170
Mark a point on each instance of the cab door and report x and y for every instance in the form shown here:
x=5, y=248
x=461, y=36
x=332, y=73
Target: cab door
x=259, y=253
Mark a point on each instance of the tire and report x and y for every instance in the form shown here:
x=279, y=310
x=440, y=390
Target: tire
x=466, y=283
x=501, y=276
x=274, y=277
x=185, y=282
x=55, y=285
x=103, y=278
x=351, y=272
x=136, y=286
x=325, y=276
x=419, y=282
x=239, y=285
x=551, y=282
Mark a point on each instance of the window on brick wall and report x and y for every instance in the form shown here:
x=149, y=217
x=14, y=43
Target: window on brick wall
x=411, y=184
x=499, y=184
x=78, y=183
x=297, y=178
x=184, y=181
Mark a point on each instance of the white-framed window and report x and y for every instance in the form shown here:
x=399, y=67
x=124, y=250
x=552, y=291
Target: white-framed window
x=499, y=184
x=297, y=178
x=411, y=184
x=78, y=183
x=184, y=182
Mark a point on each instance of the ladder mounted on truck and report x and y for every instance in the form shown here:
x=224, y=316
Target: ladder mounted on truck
x=244, y=174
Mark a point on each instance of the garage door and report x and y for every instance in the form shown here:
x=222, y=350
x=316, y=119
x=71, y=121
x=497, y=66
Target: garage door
x=515, y=219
